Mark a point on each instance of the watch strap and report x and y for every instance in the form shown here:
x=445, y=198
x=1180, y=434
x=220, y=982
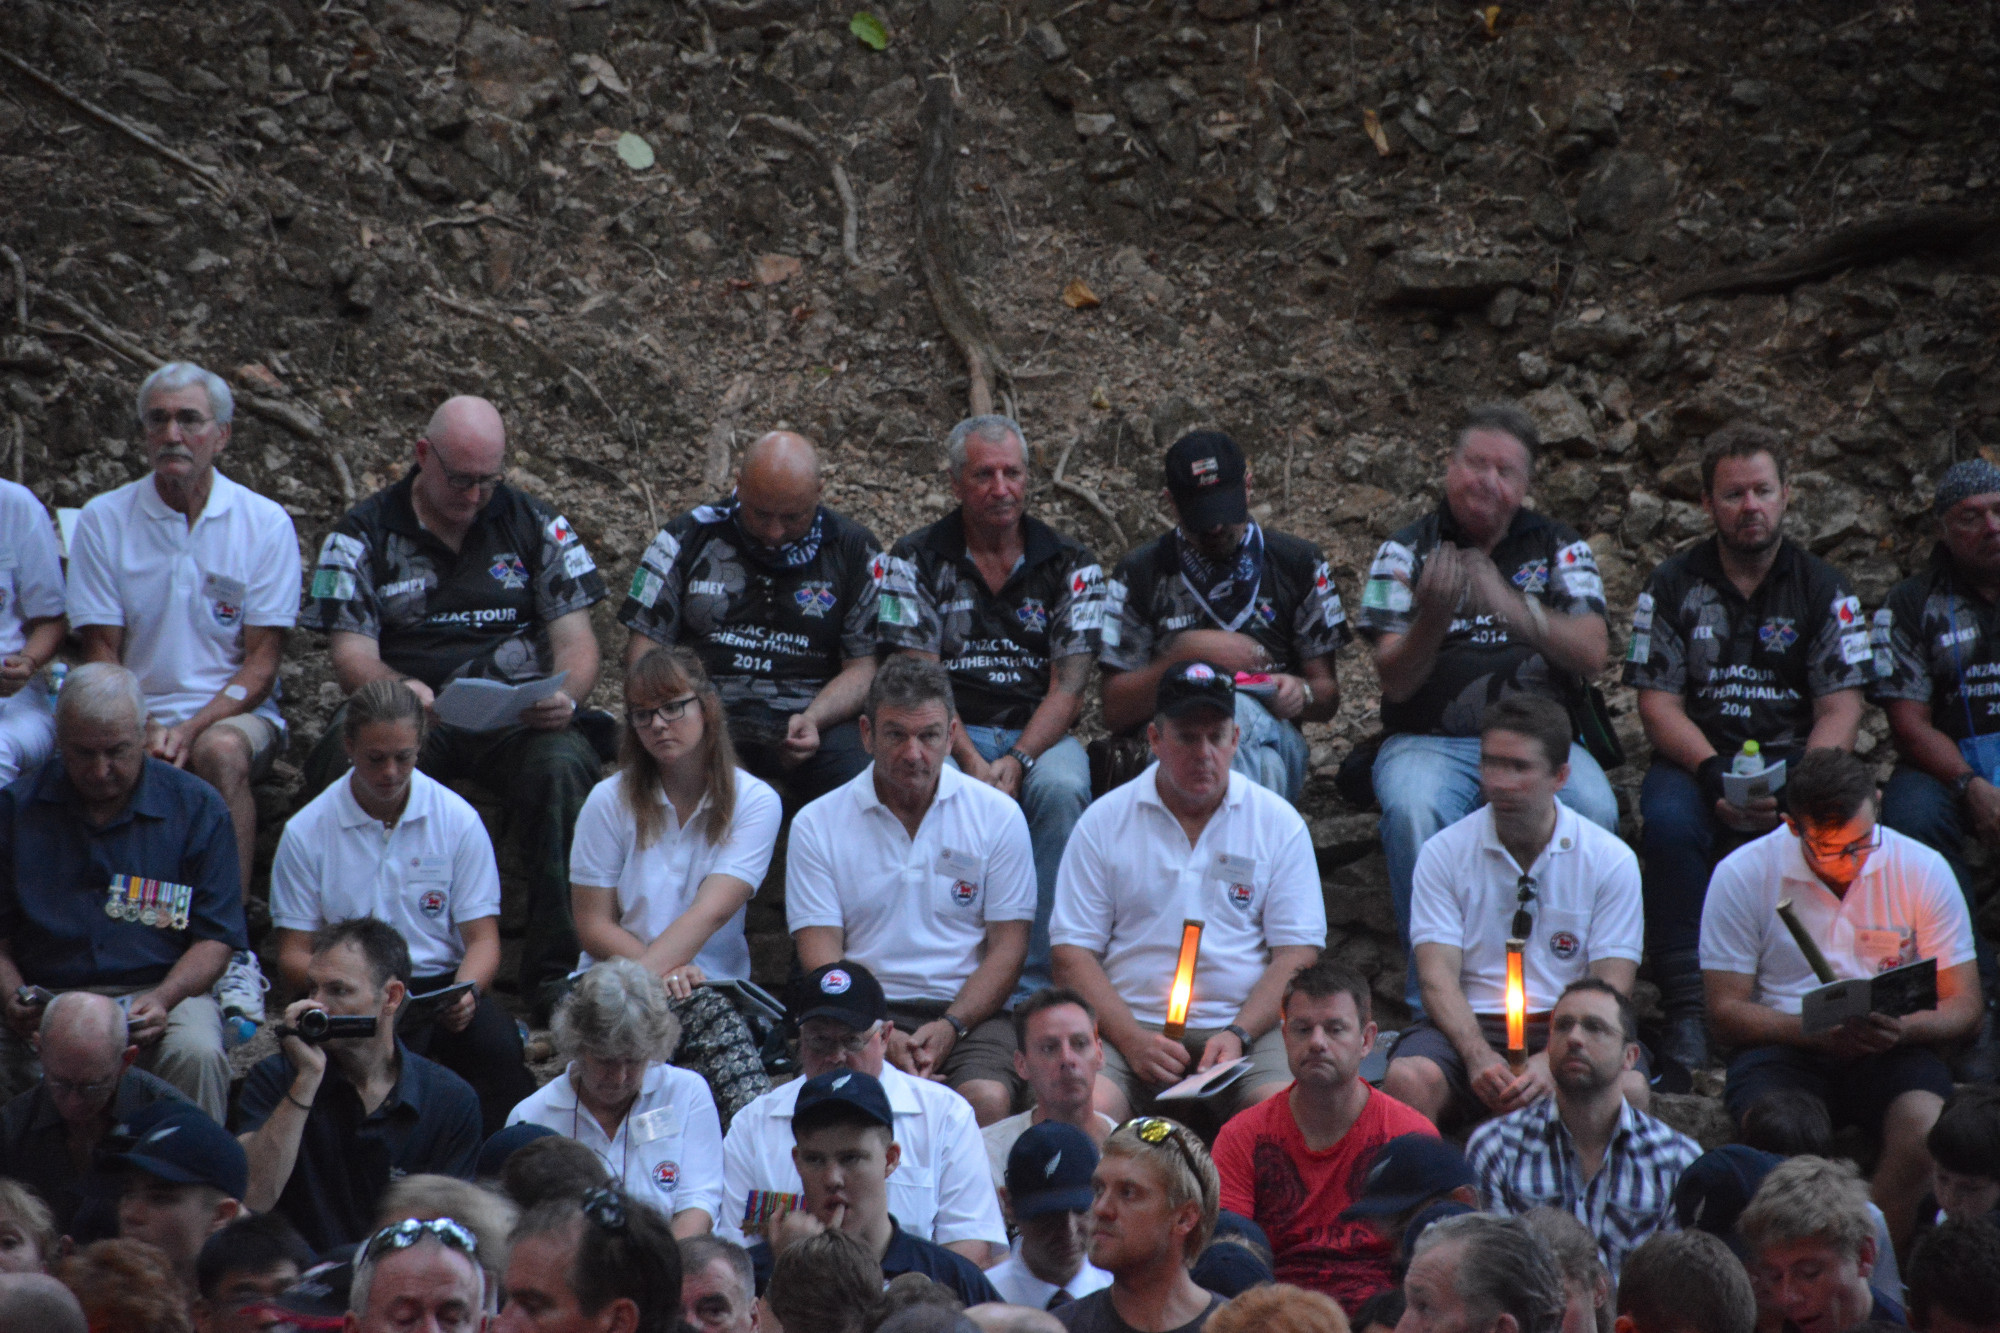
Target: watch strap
x=1241, y=1035
x=1023, y=758
x=957, y=1025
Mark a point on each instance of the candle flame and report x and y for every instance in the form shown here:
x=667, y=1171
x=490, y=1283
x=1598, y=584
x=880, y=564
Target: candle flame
x=1182, y=994
x=1517, y=999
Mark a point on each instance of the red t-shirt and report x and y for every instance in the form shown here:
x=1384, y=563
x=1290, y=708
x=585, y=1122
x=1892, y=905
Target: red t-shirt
x=1297, y=1195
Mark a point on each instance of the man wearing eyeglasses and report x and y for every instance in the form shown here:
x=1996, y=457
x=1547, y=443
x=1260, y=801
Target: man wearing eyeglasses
x=1524, y=866
x=451, y=573
x=776, y=594
x=941, y=1192
x=418, y=1275
x=1871, y=899
x=191, y=581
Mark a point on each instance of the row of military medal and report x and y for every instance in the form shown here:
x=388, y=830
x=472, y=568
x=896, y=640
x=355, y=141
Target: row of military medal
x=150, y=902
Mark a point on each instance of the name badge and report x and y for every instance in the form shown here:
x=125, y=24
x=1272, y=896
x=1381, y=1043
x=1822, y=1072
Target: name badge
x=958, y=865
x=1880, y=950
x=224, y=596
x=655, y=1124
x=1235, y=869
x=428, y=869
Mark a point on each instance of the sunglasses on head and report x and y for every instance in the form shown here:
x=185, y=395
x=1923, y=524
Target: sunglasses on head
x=402, y=1235
x=1155, y=1130
x=605, y=1207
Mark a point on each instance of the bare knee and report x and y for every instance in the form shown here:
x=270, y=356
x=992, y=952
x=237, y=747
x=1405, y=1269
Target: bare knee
x=988, y=1098
x=1111, y=1101
x=1418, y=1083
x=221, y=757
x=1908, y=1120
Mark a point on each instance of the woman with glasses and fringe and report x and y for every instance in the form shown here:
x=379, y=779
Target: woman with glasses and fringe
x=667, y=854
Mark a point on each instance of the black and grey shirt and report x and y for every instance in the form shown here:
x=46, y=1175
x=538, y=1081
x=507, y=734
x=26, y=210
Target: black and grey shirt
x=1479, y=662
x=480, y=612
x=1934, y=634
x=770, y=636
x=1748, y=668
x=997, y=646
x=1297, y=615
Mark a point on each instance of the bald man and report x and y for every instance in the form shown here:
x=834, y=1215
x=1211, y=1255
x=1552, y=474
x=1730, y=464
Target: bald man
x=451, y=573
x=49, y=1135
x=776, y=594
x=38, y=1301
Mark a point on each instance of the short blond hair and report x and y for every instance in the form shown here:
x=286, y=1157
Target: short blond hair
x=1186, y=1171
x=26, y=1207
x=1809, y=1198
x=1278, y=1309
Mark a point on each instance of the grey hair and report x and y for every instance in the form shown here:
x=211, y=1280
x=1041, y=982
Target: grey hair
x=364, y=1272
x=618, y=1010
x=1504, y=1269
x=909, y=682
x=93, y=692
x=991, y=428
x=698, y=1252
x=176, y=375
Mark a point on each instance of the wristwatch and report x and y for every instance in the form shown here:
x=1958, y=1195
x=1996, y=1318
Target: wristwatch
x=957, y=1024
x=1962, y=783
x=1241, y=1035
x=1023, y=758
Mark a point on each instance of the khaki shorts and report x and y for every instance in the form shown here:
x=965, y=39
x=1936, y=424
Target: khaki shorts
x=264, y=738
x=1267, y=1066
x=986, y=1052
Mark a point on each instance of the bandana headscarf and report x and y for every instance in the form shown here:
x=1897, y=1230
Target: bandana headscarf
x=1962, y=481
x=789, y=556
x=1225, y=588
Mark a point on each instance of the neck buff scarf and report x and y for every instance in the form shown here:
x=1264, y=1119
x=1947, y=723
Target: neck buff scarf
x=789, y=556
x=1226, y=590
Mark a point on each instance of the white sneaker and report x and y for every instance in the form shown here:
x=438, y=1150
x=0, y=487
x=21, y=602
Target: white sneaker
x=240, y=993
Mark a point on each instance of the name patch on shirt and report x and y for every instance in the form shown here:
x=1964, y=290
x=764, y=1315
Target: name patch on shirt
x=224, y=596
x=655, y=1124
x=958, y=865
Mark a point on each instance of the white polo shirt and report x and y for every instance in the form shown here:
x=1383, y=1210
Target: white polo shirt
x=914, y=909
x=432, y=871
x=655, y=884
x=183, y=596
x=31, y=577
x=668, y=1148
x=1129, y=879
x=939, y=1190
x=1586, y=906
x=1903, y=906
x=1018, y=1286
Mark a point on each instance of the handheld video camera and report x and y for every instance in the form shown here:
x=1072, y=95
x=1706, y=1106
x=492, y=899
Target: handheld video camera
x=316, y=1026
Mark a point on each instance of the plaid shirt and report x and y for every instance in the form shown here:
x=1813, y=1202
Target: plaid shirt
x=1527, y=1160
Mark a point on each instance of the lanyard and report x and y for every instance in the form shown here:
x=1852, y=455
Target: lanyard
x=1241, y=616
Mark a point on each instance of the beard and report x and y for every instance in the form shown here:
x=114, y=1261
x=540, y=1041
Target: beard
x=1771, y=537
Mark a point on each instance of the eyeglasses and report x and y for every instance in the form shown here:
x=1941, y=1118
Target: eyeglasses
x=187, y=419
x=465, y=481
x=1853, y=851
x=1155, y=1130
x=62, y=1087
x=1524, y=923
x=402, y=1235
x=823, y=1044
x=667, y=713
x=605, y=1207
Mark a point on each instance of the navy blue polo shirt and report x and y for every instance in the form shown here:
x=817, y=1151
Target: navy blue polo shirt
x=429, y=1122
x=34, y=1149
x=55, y=874
x=906, y=1254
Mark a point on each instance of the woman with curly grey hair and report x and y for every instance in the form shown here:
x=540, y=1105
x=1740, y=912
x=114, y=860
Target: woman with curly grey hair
x=652, y=1125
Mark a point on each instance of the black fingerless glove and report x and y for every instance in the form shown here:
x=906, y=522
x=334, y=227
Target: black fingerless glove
x=1709, y=776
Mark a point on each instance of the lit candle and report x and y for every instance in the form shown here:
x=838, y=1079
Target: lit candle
x=1517, y=1006
x=1183, y=992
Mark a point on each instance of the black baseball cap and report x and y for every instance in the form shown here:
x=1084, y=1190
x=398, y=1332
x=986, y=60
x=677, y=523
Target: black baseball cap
x=826, y=1096
x=1205, y=475
x=186, y=1147
x=1048, y=1170
x=503, y=1144
x=1187, y=686
x=844, y=991
x=1407, y=1170
x=1718, y=1185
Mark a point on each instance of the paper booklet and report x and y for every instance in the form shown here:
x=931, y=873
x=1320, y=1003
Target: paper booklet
x=1743, y=788
x=488, y=705
x=1207, y=1084
x=1909, y=989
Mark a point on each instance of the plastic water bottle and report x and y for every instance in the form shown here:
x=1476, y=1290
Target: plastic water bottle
x=1749, y=760
x=237, y=1028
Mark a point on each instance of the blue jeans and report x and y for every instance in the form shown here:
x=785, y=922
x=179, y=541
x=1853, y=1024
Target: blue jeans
x=1427, y=782
x=1917, y=805
x=1269, y=750
x=1678, y=851
x=1053, y=798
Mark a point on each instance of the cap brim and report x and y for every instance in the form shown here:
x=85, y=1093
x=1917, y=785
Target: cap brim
x=1214, y=704
x=1075, y=1199
x=1212, y=506
x=173, y=1171
x=297, y=1317
x=854, y=1018
x=1382, y=1205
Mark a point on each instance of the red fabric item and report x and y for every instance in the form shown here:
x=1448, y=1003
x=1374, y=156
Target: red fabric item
x=1297, y=1196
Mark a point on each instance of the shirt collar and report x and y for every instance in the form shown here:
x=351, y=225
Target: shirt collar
x=351, y=815
x=1450, y=531
x=1552, y=1122
x=410, y=1084
x=399, y=511
x=1705, y=561
x=221, y=495
x=564, y=1097
x=1563, y=838
x=149, y=798
x=950, y=781
x=1149, y=789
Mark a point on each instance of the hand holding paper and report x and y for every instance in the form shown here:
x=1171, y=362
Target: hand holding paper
x=488, y=705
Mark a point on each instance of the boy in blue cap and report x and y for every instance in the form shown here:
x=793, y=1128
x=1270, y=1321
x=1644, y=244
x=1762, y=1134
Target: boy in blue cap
x=1048, y=1198
x=185, y=1181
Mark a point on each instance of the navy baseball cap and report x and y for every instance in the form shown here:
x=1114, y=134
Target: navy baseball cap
x=1187, y=686
x=1409, y=1169
x=1428, y=1217
x=318, y=1300
x=188, y=1148
x=1205, y=476
x=844, y=991
x=1048, y=1170
x=826, y=1095
x=493, y=1154
x=1718, y=1185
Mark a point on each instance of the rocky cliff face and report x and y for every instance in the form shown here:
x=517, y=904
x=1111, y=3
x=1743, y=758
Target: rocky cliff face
x=1322, y=226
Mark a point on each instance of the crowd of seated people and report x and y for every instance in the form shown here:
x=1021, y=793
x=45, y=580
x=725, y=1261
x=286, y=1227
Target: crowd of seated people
x=1051, y=1057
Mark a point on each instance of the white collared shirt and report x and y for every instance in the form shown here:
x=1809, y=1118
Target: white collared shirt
x=184, y=595
x=1586, y=906
x=668, y=1148
x=939, y=1191
x=656, y=884
x=914, y=910
x=1018, y=1286
x=31, y=577
x=433, y=870
x=1903, y=906
x=1129, y=880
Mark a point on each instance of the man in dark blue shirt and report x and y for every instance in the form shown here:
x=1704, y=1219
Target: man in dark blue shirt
x=845, y=1152
x=326, y=1124
x=118, y=874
